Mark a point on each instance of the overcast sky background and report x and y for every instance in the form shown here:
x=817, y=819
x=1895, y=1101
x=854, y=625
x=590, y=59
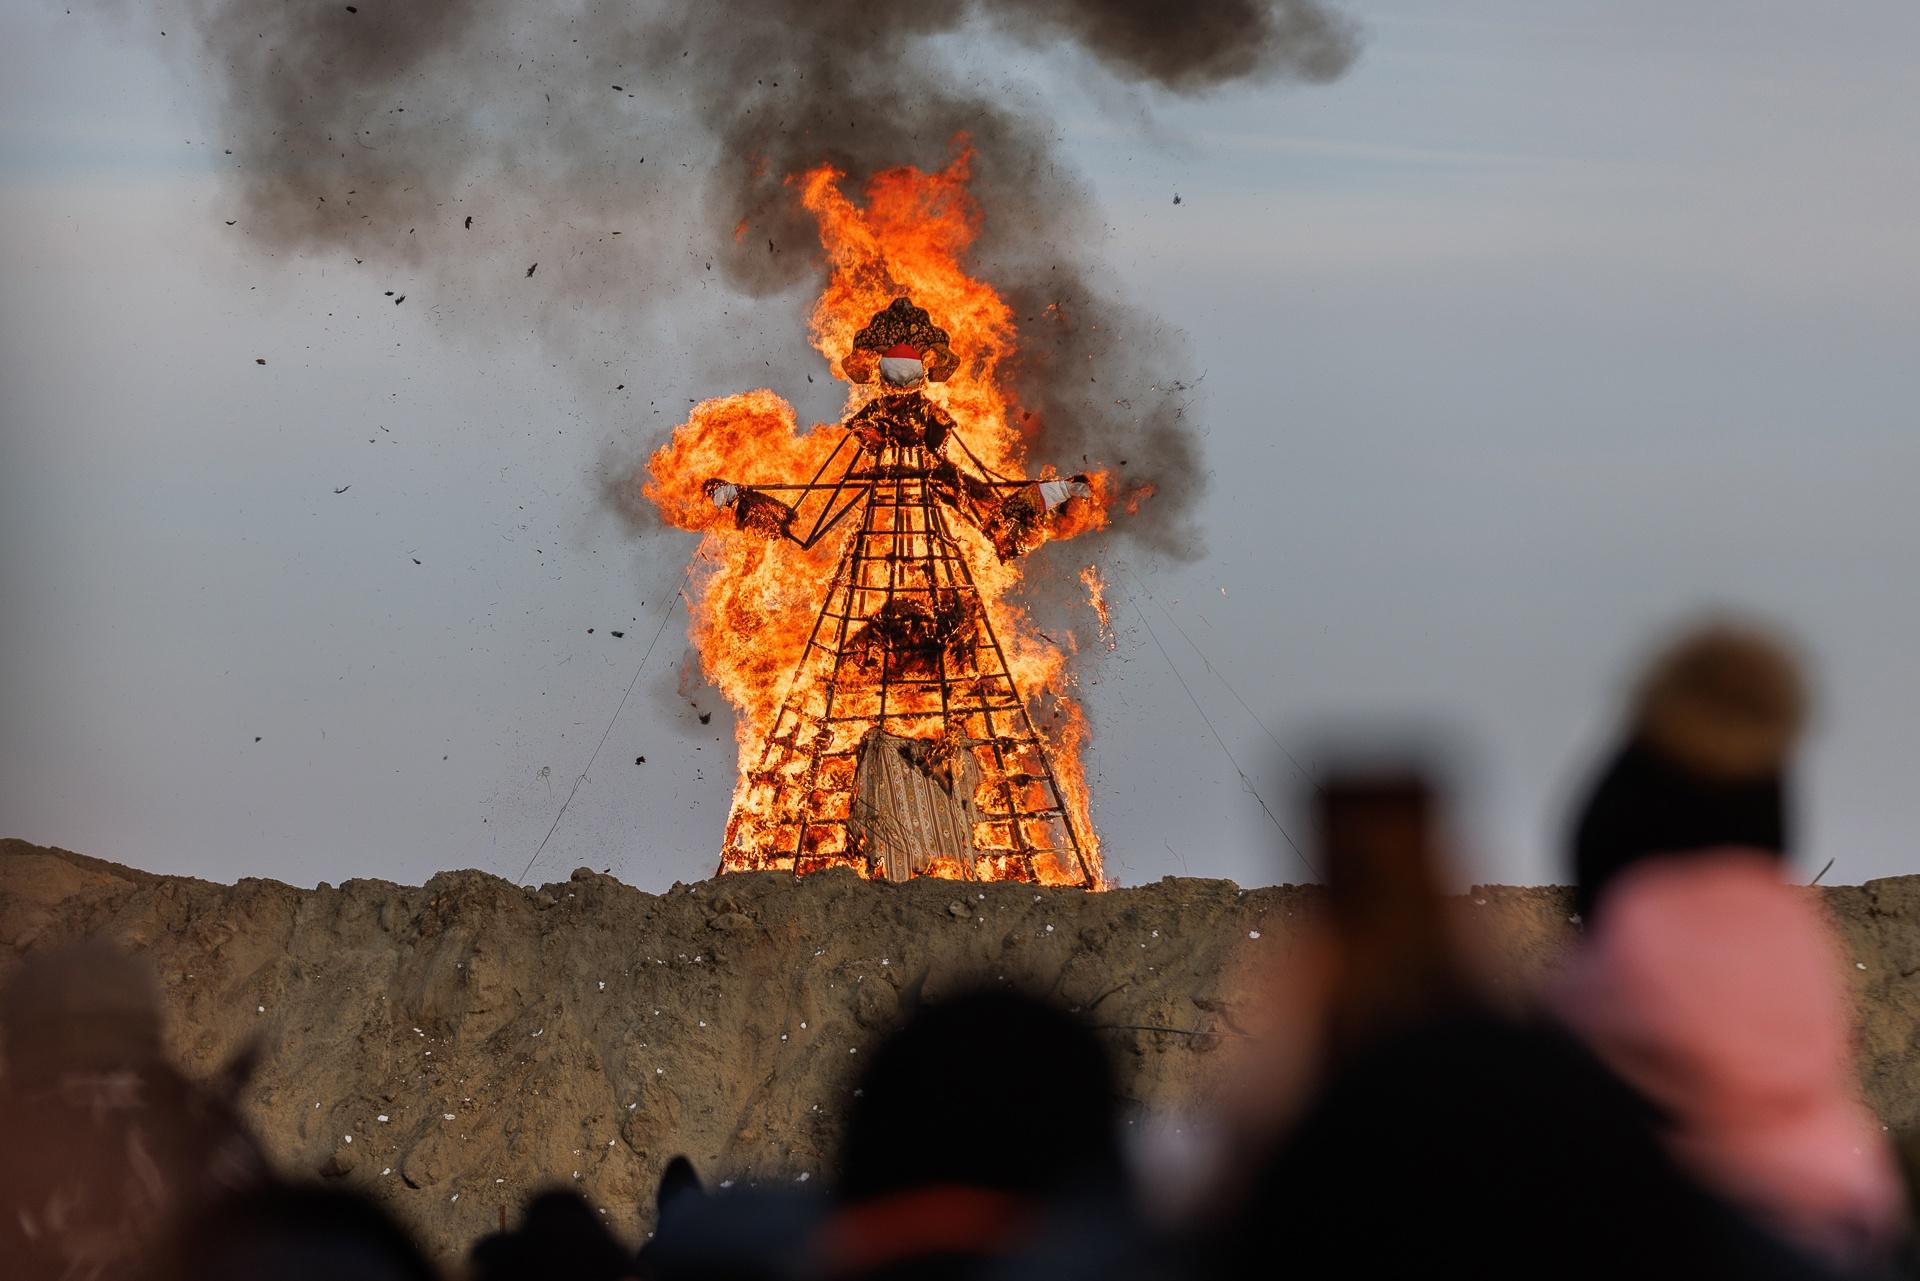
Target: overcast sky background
x=1542, y=327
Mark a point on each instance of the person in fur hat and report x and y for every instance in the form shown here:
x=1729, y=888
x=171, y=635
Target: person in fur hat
x=1703, y=761
x=1707, y=983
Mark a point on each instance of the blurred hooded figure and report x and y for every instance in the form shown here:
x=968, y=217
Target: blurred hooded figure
x=1383, y=958
x=1704, y=980
x=1398, y=960
x=559, y=1236
x=102, y=1141
x=980, y=1127
x=750, y=1233
x=292, y=1233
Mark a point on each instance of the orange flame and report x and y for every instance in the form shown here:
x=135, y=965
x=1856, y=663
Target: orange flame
x=756, y=599
x=1096, y=586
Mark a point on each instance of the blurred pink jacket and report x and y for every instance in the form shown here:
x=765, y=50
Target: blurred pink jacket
x=1718, y=992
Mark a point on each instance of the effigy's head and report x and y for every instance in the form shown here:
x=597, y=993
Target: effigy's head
x=902, y=348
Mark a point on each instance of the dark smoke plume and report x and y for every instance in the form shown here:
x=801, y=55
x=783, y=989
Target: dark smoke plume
x=376, y=127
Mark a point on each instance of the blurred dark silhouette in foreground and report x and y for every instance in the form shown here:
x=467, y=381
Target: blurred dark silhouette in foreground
x=105, y=1142
x=559, y=1235
x=944, y=1102
x=284, y=1233
x=985, y=1130
x=1397, y=963
x=742, y=1234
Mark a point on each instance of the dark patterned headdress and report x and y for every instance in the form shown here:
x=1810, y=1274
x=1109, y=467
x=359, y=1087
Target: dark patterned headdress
x=897, y=323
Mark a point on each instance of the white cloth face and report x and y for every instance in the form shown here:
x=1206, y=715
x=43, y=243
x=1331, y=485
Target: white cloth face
x=902, y=371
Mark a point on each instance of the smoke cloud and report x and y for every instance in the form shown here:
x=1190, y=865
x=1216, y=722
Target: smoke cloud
x=378, y=127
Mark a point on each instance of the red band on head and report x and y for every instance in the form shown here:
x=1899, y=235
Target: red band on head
x=901, y=351
x=904, y=1226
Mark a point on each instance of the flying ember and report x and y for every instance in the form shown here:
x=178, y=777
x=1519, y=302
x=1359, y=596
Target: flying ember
x=899, y=712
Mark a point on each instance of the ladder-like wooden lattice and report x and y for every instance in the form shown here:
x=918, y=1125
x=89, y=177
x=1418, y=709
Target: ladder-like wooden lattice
x=902, y=646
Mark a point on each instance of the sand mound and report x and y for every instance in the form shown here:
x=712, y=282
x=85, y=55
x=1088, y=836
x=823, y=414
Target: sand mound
x=453, y=1046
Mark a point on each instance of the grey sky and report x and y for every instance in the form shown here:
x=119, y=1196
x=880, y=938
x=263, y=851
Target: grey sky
x=1534, y=332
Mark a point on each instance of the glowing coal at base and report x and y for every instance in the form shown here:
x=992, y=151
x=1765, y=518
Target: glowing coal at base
x=856, y=583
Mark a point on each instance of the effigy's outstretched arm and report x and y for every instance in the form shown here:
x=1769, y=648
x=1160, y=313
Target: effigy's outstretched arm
x=1010, y=511
x=753, y=509
x=756, y=508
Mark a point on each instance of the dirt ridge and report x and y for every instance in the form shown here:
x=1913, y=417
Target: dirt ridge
x=474, y=1039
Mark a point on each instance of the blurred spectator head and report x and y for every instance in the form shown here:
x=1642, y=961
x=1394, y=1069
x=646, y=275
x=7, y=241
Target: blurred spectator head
x=291, y=1233
x=1702, y=762
x=752, y=1233
x=1384, y=956
x=988, y=1089
x=560, y=1235
x=972, y=1121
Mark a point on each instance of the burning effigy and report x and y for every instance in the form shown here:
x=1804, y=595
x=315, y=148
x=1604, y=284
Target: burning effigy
x=854, y=588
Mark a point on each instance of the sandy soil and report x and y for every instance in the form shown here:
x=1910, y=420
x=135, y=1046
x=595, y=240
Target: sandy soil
x=477, y=1040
